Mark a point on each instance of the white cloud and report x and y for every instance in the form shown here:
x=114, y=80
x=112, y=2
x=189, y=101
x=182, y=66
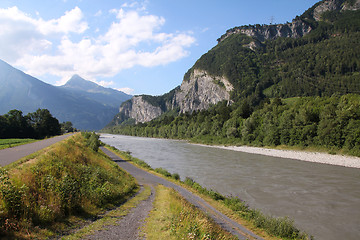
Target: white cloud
x=21, y=34
x=126, y=90
x=105, y=83
x=70, y=22
x=98, y=13
x=48, y=47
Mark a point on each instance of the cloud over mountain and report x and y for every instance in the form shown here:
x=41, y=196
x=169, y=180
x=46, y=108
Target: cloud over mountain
x=71, y=45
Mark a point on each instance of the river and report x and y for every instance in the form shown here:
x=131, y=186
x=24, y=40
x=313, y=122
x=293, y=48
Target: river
x=323, y=200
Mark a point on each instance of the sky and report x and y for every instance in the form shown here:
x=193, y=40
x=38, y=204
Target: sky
x=138, y=47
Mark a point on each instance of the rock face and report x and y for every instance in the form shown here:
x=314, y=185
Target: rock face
x=198, y=93
x=140, y=110
x=201, y=91
x=334, y=5
x=297, y=28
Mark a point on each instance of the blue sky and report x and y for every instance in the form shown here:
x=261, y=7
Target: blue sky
x=140, y=47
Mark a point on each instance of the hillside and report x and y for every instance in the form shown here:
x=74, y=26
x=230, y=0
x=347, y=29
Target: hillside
x=296, y=91
x=85, y=109
x=314, y=55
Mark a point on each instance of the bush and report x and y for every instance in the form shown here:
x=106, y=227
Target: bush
x=175, y=176
x=163, y=172
x=92, y=140
x=11, y=195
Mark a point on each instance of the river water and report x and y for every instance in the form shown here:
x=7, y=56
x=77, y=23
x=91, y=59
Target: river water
x=323, y=200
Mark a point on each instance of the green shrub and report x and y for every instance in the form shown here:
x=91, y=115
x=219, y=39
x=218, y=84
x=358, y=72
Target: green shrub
x=11, y=195
x=163, y=172
x=175, y=176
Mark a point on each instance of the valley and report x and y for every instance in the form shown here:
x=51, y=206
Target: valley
x=262, y=132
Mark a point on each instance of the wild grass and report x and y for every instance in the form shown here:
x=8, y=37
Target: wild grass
x=40, y=197
x=174, y=218
x=13, y=142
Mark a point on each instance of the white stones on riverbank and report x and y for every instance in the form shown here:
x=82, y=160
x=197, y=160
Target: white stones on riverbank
x=339, y=160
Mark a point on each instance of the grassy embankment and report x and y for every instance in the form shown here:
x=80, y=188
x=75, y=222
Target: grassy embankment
x=13, y=142
x=175, y=218
x=59, y=188
x=266, y=226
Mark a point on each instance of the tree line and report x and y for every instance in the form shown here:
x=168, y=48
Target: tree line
x=38, y=125
x=331, y=123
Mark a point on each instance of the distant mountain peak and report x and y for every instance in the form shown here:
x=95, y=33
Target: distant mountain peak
x=79, y=83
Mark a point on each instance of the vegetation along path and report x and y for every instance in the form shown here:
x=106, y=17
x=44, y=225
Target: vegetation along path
x=144, y=177
x=10, y=155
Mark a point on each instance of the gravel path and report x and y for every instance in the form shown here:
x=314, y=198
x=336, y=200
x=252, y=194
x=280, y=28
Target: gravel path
x=127, y=227
x=9, y=155
x=145, y=177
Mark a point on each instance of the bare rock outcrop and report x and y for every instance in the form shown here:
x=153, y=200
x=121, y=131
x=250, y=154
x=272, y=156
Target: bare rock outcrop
x=140, y=110
x=297, y=28
x=201, y=91
x=334, y=5
x=197, y=93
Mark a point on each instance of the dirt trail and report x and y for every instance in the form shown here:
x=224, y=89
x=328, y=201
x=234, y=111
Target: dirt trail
x=144, y=177
x=127, y=227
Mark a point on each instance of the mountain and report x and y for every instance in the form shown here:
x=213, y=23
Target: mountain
x=87, y=89
x=317, y=54
x=26, y=93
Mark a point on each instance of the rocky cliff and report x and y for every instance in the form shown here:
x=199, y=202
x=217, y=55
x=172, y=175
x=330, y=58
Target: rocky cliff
x=335, y=5
x=140, y=110
x=299, y=27
x=197, y=93
x=202, y=90
x=295, y=29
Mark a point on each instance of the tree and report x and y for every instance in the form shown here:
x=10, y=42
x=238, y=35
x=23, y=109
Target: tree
x=17, y=125
x=44, y=124
x=67, y=127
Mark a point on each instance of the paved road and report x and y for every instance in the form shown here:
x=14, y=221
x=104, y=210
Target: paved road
x=144, y=177
x=10, y=155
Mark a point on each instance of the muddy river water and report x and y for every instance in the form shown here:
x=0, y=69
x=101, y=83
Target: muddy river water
x=323, y=200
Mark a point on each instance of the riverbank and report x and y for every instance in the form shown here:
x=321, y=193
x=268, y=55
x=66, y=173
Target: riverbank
x=317, y=157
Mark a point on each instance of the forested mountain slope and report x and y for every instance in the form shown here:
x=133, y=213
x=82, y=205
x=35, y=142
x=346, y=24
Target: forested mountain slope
x=262, y=69
x=317, y=54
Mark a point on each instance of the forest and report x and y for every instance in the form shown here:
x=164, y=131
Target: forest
x=38, y=125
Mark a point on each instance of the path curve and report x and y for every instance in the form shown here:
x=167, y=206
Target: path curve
x=144, y=177
x=10, y=155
